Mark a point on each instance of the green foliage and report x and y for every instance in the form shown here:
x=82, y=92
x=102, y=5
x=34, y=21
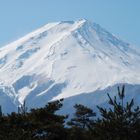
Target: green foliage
x=47, y=122
x=81, y=124
x=83, y=117
x=42, y=123
x=22, y=109
x=121, y=121
x=1, y=111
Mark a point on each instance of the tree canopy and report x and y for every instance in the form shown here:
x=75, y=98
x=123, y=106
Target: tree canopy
x=121, y=121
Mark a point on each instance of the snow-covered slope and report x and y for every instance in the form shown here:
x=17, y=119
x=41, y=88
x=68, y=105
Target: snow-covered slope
x=64, y=60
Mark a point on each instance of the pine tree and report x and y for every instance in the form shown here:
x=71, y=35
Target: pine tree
x=83, y=117
x=23, y=109
x=82, y=123
x=119, y=122
x=1, y=111
x=48, y=124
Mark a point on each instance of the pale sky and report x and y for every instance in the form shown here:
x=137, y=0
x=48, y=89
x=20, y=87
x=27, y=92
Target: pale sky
x=19, y=17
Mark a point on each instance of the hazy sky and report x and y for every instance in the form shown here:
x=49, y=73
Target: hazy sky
x=120, y=17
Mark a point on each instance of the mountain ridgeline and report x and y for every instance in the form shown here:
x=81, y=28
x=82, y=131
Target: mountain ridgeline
x=75, y=60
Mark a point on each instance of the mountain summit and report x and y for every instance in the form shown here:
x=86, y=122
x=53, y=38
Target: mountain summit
x=68, y=59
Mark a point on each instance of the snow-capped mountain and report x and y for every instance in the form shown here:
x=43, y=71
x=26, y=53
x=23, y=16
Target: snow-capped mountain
x=75, y=60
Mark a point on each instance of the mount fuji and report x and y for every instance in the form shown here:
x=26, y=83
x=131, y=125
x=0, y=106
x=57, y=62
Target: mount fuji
x=75, y=60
